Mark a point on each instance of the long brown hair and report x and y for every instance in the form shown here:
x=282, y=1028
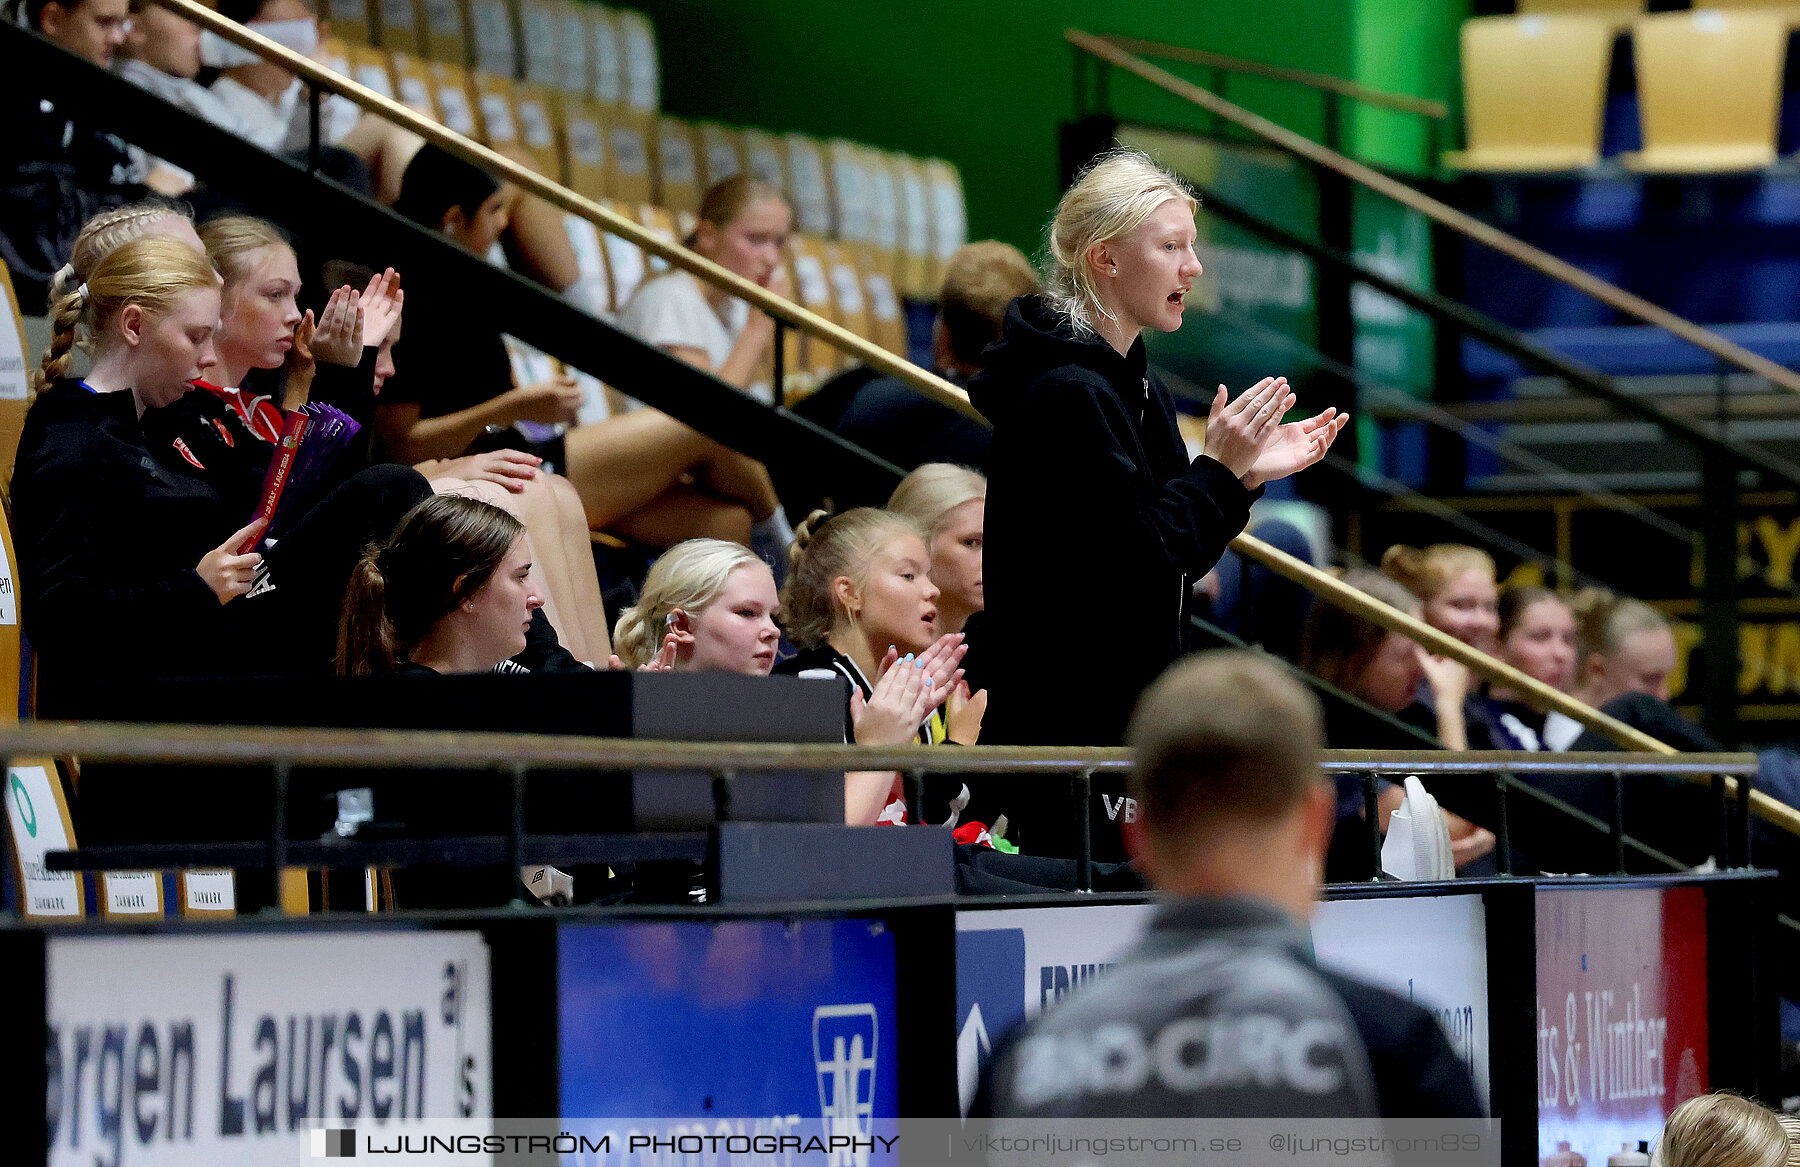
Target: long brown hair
x=443, y=551
x=1339, y=644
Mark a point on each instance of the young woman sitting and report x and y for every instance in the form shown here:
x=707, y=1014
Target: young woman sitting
x=950, y=503
x=450, y=591
x=131, y=550
x=858, y=581
x=1537, y=637
x=1386, y=670
x=706, y=604
x=644, y=476
x=1456, y=587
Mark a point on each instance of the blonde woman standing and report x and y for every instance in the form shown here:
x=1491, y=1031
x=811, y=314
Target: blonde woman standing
x=1086, y=456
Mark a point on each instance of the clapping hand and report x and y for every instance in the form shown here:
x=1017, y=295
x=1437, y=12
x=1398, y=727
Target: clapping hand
x=381, y=304
x=337, y=337
x=1295, y=446
x=902, y=699
x=1238, y=432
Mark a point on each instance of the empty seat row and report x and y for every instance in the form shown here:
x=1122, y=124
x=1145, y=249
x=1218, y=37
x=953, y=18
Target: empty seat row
x=906, y=213
x=1709, y=89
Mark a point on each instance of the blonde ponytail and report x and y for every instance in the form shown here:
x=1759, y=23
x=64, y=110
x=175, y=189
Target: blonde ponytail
x=828, y=547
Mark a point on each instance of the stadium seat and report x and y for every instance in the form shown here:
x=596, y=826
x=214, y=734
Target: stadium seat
x=605, y=59
x=350, y=21
x=812, y=287
x=584, y=131
x=643, y=75
x=849, y=190
x=1617, y=13
x=496, y=48
x=539, y=24
x=808, y=187
x=1534, y=88
x=537, y=111
x=450, y=85
x=629, y=135
x=592, y=290
x=413, y=84
x=918, y=265
x=15, y=371
x=1729, y=122
x=845, y=272
x=443, y=33
x=677, y=168
x=335, y=55
x=664, y=225
x=626, y=264
x=721, y=153
x=949, y=219
x=369, y=66
x=398, y=27
x=572, y=50
x=884, y=215
x=767, y=160
x=493, y=103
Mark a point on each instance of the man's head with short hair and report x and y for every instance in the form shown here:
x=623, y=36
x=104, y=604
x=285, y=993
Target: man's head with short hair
x=980, y=280
x=91, y=28
x=1226, y=769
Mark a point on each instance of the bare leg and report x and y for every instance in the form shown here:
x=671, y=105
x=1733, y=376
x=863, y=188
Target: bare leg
x=620, y=465
x=685, y=513
x=587, y=608
x=507, y=501
x=536, y=244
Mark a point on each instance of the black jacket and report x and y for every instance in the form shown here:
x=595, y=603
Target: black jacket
x=1093, y=508
x=110, y=518
x=1096, y=522
x=1240, y=972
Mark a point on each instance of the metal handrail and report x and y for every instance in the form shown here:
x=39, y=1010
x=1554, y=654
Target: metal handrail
x=1462, y=223
x=438, y=749
x=565, y=199
x=1320, y=583
x=1379, y=98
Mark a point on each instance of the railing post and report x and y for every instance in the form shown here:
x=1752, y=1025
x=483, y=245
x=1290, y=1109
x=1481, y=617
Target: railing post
x=1337, y=231
x=312, y=128
x=280, y=773
x=1746, y=818
x=915, y=796
x=515, y=838
x=1084, y=860
x=1372, y=811
x=1724, y=800
x=721, y=792
x=779, y=392
x=1615, y=787
x=1502, y=828
x=1719, y=497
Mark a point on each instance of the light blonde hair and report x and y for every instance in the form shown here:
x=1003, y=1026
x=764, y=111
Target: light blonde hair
x=233, y=243
x=728, y=198
x=980, y=280
x=1603, y=621
x=689, y=576
x=1110, y=199
x=1790, y=1124
x=152, y=272
x=826, y=548
x=935, y=489
x=1426, y=572
x=103, y=233
x=1721, y=1130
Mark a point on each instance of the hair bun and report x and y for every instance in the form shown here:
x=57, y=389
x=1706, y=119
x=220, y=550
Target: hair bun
x=806, y=532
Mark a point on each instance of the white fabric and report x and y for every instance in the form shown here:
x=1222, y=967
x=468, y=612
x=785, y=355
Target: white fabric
x=1560, y=731
x=671, y=311
x=1418, y=838
x=280, y=126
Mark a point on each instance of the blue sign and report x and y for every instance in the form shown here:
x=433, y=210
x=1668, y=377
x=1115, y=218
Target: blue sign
x=755, y=1027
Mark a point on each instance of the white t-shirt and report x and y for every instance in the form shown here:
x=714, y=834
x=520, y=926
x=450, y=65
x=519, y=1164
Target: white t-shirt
x=279, y=126
x=670, y=310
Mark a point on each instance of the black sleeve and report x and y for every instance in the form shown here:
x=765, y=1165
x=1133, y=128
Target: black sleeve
x=349, y=389
x=1417, y=1074
x=1092, y=478
x=544, y=653
x=80, y=592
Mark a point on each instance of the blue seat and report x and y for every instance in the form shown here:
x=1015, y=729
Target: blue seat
x=1637, y=350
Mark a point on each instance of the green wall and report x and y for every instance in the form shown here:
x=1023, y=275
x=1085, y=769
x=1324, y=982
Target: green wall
x=986, y=83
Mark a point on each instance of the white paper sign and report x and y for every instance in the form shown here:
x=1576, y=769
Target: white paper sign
x=172, y=1051
x=496, y=112
x=37, y=827
x=210, y=890
x=132, y=893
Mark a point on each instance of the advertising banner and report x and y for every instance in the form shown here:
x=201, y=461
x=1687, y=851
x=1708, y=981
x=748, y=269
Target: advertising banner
x=1621, y=1029
x=236, y=1049
x=1013, y=963
x=1432, y=949
x=762, y=1031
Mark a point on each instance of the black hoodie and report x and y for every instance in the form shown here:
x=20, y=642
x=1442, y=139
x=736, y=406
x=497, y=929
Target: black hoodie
x=1097, y=527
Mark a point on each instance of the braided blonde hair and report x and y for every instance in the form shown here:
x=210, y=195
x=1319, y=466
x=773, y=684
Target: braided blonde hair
x=153, y=272
x=827, y=547
x=103, y=233
x=1111, y=198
